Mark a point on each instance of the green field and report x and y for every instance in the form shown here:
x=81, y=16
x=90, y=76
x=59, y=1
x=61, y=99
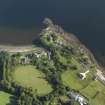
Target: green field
x=29, y=76
x=5, y=98
x=93, y=90
x=70, y=78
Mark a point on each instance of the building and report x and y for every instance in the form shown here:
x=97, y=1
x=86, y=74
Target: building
x=24, y=60
x=40, y=54
x=80, y=99
x=83, y=75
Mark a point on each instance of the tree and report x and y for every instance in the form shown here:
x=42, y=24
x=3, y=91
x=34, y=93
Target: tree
x=4, y=57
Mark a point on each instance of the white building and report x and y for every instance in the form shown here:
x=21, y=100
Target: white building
x=24, y=60
x=40, y=54
x=80, y=99
x=83, y=75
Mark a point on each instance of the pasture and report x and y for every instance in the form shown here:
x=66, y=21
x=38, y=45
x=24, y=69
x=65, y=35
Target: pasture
x=29, y=76
x=94, y=91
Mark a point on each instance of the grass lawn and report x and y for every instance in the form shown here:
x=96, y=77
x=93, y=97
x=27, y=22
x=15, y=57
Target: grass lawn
x=5, y=98
x=70, y=78
x=29, y=76
x=99, y=99
x=93, y=90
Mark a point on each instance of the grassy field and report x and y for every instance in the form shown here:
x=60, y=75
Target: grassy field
x=93, y=90
x=5, y=98
x=29, y=76
x=71, y=79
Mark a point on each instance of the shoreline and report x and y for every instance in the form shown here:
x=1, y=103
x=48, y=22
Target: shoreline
x=70, y=37
x=16, y=48
x=28, y=48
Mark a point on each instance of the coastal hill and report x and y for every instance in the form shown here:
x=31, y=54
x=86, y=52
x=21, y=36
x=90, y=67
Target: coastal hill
x=56, y=70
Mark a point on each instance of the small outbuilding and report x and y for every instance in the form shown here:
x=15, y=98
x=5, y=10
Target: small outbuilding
x=24, y=60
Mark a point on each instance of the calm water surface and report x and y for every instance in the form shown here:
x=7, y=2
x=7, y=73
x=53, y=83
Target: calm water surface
x=20, y=20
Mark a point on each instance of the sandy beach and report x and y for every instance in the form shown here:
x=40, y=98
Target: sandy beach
x=16, y=49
